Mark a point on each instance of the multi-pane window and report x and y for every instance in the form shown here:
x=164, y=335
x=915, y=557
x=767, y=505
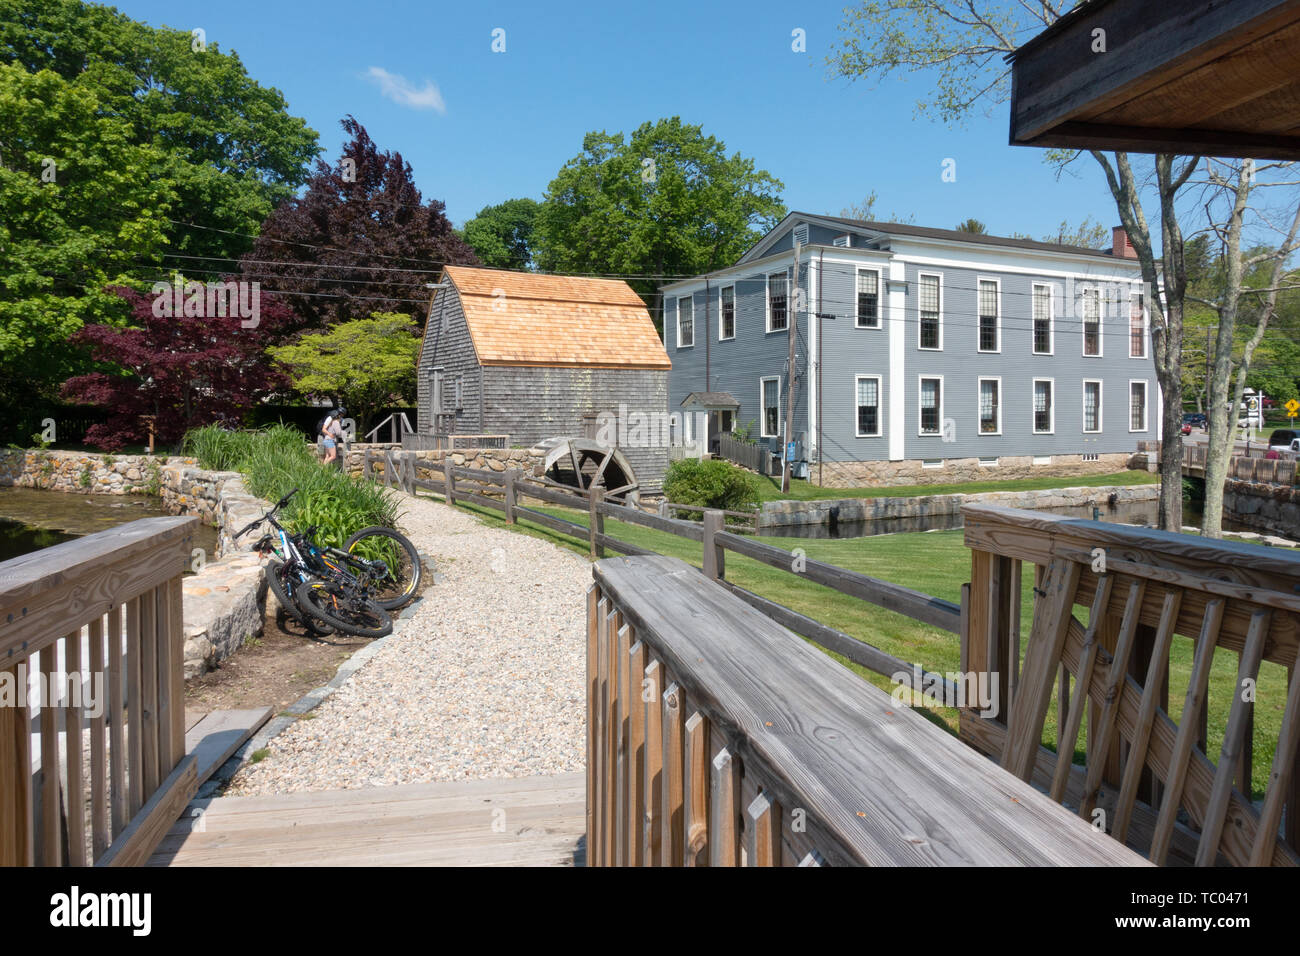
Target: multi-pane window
x=727, y=329
x=777, y=285
x=1137, y=327
x=459, y=392
x=1092, y=406
x=931, y=405
x=771, y=407
x=1042, y=406
x=868, y=299
x=988, y=305
x=1091, y=321
x=929, y=298
x=868, y=405
x=1042, y=320
x=1137, y=406
x=990, y=412
x=685, y=323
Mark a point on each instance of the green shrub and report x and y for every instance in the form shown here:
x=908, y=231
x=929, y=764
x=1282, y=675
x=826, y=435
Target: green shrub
x=85, y=479
x=711, y=484
x=276, y=460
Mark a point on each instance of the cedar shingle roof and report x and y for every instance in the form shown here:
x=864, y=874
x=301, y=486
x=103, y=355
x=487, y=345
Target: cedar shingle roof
x=521, y=318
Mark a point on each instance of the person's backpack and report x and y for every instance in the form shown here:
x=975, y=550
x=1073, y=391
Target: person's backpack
x=322, y=424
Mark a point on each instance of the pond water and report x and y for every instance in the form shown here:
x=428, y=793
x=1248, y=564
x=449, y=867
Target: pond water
x=1123, y=512
x=32, y=518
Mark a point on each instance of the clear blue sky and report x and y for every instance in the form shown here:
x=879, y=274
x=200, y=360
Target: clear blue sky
x=510, y=120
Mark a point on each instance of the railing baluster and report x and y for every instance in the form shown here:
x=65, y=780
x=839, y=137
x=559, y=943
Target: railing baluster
x=695, y=824
x=1072, y=720
x=149, y=690
x=117, y=752
x=652, y=845
x=51, y=842
x=673, y=816
x=763, y=832
x=636, y=754
x=135, y=711
x=75, y=798
x=99, y=825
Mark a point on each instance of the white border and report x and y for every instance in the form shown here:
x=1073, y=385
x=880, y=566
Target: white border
x=762, y=408
x=997, y=298
x=680, y=299
x=1051, y=318
x=880, y=299
x=880, y=407
x=919, y=276
x=978, y=422
x=734, y=303
x=1051, y=410
x=1146, y=405
x=920, y=397
x=767, y=300
x=1146, y=327
x=1083, y=407
x=1083, y=322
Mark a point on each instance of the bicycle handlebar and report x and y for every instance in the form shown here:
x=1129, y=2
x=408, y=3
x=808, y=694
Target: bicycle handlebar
x=278, y=505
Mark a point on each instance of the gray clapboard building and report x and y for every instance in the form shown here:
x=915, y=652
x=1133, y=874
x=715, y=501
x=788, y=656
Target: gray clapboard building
x=921, y=355
x=536, y=356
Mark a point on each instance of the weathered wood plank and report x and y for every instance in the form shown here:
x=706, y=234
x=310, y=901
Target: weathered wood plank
x=16, y=816
x=762, y=832
x=135, y=711
x=1280, y=777
x=118, y=796
x=724, y=810
x=695, y=781
x=1069, y=736
x=136, y=843
x=652, y=786
x=73, y=800
x=672, y=816
x=636, y=753
x=100, y=832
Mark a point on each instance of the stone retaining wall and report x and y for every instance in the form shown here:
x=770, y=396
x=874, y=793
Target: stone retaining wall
x=1271, y=509
x=485, y=459
x=781, y=514
x=84, y=473
x=873, y=474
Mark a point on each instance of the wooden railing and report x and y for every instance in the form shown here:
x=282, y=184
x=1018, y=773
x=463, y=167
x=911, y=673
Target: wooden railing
x=1164, y=786
x=110, y=775
x=717, y=737
x=1254, y=467
x=503, y=491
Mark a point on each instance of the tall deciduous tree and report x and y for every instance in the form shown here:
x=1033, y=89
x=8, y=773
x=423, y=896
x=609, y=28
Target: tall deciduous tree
x=502, y=235
x=365, y=363
x=183, y=370
x=963, y=48
x=666, y=200
x=361, y=239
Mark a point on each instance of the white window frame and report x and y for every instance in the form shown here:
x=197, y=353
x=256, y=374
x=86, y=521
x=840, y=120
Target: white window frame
x=880, y=407
x=979, y=382
x=767, y=296
x=919, y=396
x=880, y=299
x=1083, y=322
x=1051, y=318
x=458, y=392
x=762, y=407
x=1033, y=394
x=997, y=297
x=1083, y=407
x=1146, y=405
x=680, y=300
x=734, y=323
x=1146, y=326
x=919, y=277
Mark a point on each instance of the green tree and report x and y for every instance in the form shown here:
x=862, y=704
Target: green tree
x=502, y=235
x=666, y=201
x=365, y=364
x=973, y=226
x=82, y=202
x=232, y=149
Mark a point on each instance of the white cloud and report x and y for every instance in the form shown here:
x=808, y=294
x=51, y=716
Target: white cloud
x=400, y=90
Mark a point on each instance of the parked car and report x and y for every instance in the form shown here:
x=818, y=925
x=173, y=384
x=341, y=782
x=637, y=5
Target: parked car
x=1194, y=420
x=1284, y=439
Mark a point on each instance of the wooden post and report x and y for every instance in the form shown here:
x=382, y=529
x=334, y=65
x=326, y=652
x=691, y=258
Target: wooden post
x=596, y=523
x=449, y=481
x=16, y=823
x=663, y=507
x=715, y=556
x=512, y=475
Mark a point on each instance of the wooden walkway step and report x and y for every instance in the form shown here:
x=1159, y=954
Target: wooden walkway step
x=524, y=821
x=214, y=737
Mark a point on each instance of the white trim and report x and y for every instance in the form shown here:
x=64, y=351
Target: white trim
x=762, y=407
x=979, y=383
x=767, y=300
x=813, y=450
x=1051, y=317
x=997, y=297
x=1146, y=405
x=931, y=462
x=1051, y=408
x=880, y=298
x=897, y=292
x=920, y=397
x=1083, y=322
x=919, y=277
x=1146, y=326
x=1083, y=407
x=721, y=289
x=880, y=410
x=680, y=300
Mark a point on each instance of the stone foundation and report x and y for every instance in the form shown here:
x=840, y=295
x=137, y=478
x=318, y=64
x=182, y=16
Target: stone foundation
x=871, y=474
x=485, y=459
x=84, y=473
x=788, y=514
x=1270, y=509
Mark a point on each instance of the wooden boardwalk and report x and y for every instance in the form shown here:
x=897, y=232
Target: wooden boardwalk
x=526, y=821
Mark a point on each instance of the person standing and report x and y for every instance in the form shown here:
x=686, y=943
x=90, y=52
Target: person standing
x=332, y=434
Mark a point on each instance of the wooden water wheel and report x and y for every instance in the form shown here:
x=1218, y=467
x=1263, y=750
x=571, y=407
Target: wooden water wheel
x=584, y=463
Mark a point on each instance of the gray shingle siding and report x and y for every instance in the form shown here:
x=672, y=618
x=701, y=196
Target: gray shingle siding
x=447, y=345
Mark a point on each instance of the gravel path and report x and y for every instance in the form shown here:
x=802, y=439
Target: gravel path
x=484, y=680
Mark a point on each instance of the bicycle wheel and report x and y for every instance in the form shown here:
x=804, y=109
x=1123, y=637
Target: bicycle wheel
x=397, y=586
x=338, y=606
x=282, y=588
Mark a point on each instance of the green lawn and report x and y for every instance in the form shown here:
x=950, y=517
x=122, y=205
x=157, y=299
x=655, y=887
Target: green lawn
x=800, y=490
x=936, y=563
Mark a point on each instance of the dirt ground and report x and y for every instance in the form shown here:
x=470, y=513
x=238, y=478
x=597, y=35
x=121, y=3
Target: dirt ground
x=274, y=670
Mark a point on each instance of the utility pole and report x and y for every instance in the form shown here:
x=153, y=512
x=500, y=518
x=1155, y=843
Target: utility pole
x=792, y=317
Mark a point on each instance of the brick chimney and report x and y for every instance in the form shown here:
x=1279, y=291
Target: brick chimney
x=1120, y=245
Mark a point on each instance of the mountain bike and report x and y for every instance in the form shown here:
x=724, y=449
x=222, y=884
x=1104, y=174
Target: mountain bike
x=329, y=586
